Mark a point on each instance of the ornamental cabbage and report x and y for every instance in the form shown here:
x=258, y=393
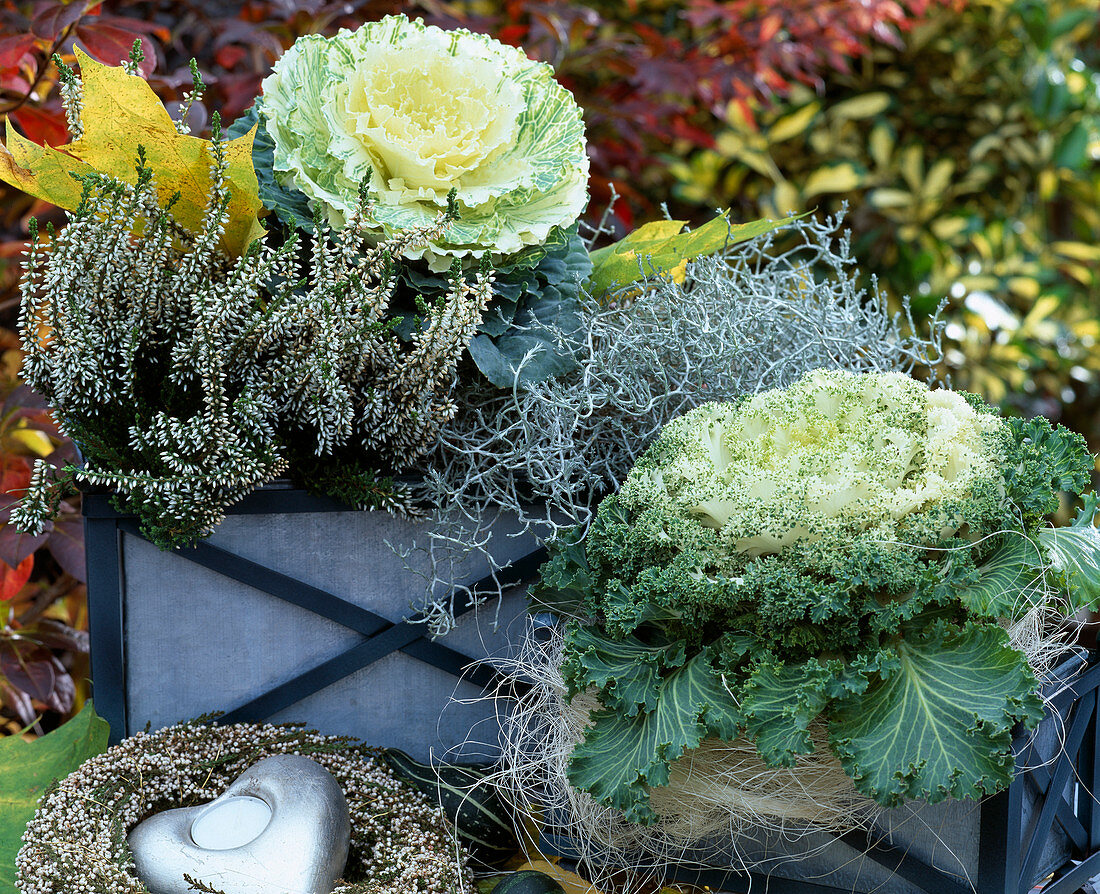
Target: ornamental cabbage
x=416, y=112
x=844, y=554
x=834, y=455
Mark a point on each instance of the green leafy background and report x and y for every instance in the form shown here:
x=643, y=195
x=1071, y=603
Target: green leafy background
x=27, y=769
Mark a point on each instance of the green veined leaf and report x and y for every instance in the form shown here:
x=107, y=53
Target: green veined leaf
x=28, y=768
x=1075, y=551
x=627, y=671
x=565, y=580
x=938, y=720
x=1005, y=580
x=621, y=756
x=658, y=248
x=780, y=701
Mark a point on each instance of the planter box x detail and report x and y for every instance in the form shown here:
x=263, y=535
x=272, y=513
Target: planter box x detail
x=295, y=610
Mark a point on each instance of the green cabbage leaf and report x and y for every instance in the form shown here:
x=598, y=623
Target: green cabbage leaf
x=937, y=717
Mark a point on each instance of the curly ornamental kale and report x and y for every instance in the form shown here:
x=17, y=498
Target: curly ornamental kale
x=842, y=552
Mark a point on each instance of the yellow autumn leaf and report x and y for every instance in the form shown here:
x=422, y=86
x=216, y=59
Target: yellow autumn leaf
x=938, y=178
x=912, y=166
x=859, y=107
x=841, y=177
x=793, y=124
x=120, y=113
x=1086, y=330
x=983, y=245
x=570, y=881
x=1024, y=286
x=736, y=118
x=760, y=162
x=991, y=386
x=1084, y=274
x=947, y=228
x=984, y=145
x=1079, y=251
x=786, y=198
x=37, y=442
x=1048, y=184
x=823, y=142
x=659, y=248
x=891, y=198
x=881, y=144
x=1036, y=322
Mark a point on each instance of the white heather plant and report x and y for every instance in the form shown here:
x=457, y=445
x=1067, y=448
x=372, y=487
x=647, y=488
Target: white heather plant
x=188, y=379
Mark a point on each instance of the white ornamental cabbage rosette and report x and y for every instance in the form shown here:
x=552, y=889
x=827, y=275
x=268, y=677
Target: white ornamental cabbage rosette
x=423, y=111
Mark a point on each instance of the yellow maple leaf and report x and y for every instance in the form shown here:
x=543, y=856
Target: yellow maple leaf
x=121, y=112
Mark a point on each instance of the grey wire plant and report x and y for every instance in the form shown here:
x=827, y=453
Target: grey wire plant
x=750, y=317
x=185, y=377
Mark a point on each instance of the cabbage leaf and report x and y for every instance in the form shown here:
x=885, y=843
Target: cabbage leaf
x=937, y=719
x=665, y=705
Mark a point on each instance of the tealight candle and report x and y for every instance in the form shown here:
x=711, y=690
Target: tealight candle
x=230, y=822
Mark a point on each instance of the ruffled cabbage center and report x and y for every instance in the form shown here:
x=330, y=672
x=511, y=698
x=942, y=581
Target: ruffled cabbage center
x=833, y=454
x=415, y=112
x=430, y=118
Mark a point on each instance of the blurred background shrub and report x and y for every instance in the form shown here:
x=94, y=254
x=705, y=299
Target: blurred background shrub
x=969, y=157
x=964, y=136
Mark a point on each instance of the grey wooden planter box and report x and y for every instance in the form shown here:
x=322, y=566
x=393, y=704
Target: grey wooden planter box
x=295, y=610
x=1044, y=829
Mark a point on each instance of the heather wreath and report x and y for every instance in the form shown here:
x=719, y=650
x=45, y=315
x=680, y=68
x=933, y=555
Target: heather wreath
x=416, y=112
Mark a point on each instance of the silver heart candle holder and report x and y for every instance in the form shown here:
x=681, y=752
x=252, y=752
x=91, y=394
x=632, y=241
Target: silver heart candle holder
x=281, y=827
